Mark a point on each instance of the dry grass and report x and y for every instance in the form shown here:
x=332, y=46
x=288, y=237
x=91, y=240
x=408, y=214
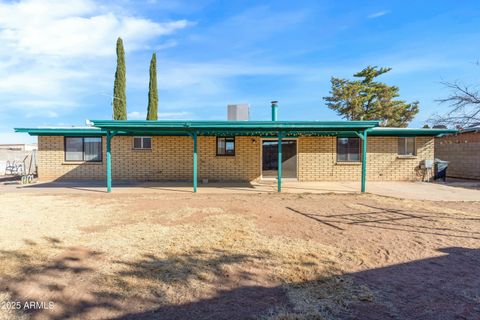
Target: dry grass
x=106, y=256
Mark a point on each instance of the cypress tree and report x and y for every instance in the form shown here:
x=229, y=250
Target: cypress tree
x=152, y=110
x=120, y=85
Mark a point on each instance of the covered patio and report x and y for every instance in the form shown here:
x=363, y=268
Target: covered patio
x=274, y=131
x=267, y=129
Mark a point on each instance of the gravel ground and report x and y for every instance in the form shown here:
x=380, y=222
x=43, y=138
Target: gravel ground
x=237, y=256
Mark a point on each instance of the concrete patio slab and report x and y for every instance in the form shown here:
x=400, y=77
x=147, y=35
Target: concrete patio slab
x=397, y=189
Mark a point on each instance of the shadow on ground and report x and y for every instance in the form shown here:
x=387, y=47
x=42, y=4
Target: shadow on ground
x=460, y=183
x=81, y=285
x=174, y=186
x=395, y=219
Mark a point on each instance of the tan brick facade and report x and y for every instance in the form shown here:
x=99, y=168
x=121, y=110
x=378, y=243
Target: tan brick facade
x=51, y=164
x=318, y=160
x=171, y=159
x=463, y=152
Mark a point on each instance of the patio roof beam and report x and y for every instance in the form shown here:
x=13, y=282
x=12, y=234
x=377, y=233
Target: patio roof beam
x=109, y=137
x=248, y=133
x=279, y=162
x=195, y=159
x=363, y=137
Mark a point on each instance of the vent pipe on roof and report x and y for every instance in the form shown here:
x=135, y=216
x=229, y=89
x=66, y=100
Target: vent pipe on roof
x=274, y=110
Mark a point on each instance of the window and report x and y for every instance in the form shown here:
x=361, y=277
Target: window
x=226, y=146
x=348, y=149
x=142, y=143
x=87, y=149
x=406, y=146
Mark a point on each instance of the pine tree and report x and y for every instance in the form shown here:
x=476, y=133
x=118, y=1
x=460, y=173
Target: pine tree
x=152, y=110
x=119, y=87
x=367, y=99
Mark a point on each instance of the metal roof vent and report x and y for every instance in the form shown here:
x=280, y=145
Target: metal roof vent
x=239, y=112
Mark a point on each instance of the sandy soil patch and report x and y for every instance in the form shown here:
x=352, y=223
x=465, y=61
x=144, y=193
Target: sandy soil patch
x=259, y=256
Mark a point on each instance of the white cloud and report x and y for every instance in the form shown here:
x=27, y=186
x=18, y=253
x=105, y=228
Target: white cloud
x=54, y=51
x=74, y=28
x=12, y=137
x=378, y=14
x=173, y=115
x=136, y=115
x=207, y=78
x=43, y=114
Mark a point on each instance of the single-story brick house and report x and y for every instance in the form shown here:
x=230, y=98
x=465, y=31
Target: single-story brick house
x=234, y=151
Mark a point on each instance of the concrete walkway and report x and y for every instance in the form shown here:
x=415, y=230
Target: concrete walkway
x=397, y=189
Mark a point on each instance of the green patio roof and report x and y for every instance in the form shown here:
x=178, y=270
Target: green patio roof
x=245, y=128
x=405, y=132
x=62, y=131
x=250, y=128
x=231, y=125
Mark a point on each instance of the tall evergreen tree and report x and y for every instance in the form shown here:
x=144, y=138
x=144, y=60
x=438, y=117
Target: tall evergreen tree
x=120, y=85
x=152, y=112
x=366, y=99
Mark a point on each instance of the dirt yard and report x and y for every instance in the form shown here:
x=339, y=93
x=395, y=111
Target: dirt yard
x=263, y=256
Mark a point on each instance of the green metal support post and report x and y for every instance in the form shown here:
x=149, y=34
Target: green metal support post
x=194, y=162
x=364, y=159
x=279, y=169
x=109, y=162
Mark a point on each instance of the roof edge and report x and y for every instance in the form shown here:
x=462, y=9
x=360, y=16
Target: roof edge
x=170, y=127
x=386, y=131
x=60, y=131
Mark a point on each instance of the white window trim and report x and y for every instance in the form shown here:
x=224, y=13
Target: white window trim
x=141, y=142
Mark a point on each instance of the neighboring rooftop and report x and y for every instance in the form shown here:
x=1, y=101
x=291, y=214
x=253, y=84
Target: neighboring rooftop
x=475, y=128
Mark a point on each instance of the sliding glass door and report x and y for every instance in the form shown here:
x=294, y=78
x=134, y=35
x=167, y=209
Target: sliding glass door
x=270, y=158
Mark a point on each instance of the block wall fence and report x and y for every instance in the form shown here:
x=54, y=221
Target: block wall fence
x=463, y=152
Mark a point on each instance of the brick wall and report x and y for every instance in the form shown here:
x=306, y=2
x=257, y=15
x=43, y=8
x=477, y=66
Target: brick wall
x=171, y=159
x=51, y=164
x=318, y=160
x=463, y=152
x=245, y=165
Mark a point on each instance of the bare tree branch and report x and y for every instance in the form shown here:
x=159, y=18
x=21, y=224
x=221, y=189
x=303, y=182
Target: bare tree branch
x=464, y=103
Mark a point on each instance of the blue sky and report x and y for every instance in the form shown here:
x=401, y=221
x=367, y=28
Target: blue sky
x=57, y=60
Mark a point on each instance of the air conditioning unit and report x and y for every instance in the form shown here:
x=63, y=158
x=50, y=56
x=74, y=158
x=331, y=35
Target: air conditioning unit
x=239, y=112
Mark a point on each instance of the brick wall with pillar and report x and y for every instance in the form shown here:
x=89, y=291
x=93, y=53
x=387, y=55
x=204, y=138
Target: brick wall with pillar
x=170, y=159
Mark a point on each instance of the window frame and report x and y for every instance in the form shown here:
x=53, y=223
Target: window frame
x=83, y=149
x=348, y=153
x=405, y=146
x=226, y=154
x=142, y=146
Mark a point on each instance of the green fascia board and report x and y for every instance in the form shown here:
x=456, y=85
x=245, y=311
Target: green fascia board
x=72, y=132
x=153, y=132
x=61, y=131
x=251, y=128
x=173, y=127
x=409, y=132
